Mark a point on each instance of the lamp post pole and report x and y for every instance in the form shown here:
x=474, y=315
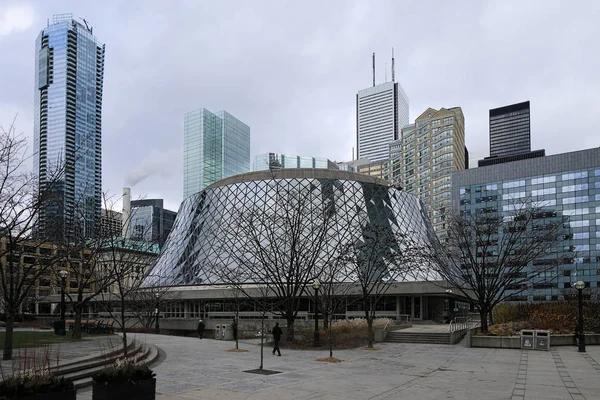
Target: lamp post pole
x=316, y=339
x=157, y=326
x=580, y=285
x=63, y=283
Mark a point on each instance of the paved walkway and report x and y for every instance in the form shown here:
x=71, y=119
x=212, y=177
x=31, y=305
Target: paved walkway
x=203, y=369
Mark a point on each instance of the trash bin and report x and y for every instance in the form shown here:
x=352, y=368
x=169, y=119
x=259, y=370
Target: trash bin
x=59, y=327
x=542, y=340
x=226, y=332
x=527, y=340
x=218, y=332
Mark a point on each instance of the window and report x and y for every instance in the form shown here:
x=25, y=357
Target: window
x=513, y=184
x=579, y=224
x=542, y=192
x=572, y=200
x=581, y=235
x=435, y=122
x=572, y=188
x=575, y=175
x=448, y=119
x=545, y=179
x=511, y=196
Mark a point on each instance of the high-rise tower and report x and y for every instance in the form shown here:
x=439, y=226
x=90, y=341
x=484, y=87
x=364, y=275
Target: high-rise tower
x=381, y=112
x=215, y=146
x=510, y=132
x=69, y=74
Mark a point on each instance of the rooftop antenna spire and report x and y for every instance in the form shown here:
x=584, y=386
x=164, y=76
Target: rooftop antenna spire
x=393, y=69
x=373, y=69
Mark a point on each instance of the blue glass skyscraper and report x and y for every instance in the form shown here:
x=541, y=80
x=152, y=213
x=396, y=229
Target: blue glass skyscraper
x=69, y=73
x=215, y=146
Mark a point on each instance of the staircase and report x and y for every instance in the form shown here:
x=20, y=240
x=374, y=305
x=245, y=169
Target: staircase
x=81, y=370
x=417, y=337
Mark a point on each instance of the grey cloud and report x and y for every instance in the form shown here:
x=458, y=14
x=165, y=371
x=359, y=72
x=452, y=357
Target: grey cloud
x=291, y=71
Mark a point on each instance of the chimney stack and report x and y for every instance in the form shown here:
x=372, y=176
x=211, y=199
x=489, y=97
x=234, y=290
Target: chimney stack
x=126, y=212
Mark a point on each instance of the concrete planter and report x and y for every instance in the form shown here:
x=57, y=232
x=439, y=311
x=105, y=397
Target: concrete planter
x=65, y=395
x=138, y=390
x=496, y=342
x=514, y=342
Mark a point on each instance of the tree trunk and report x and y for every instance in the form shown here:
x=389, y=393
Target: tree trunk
x=290, y=330
x=325, y=319
x=8, y=336
x=77, y=324
x=262, y=339
x=484, y=321
x=124, y=336
x=370, y=329
x=330, y=342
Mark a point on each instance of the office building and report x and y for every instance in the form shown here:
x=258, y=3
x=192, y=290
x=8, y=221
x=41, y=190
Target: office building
x=510, y=130
x=150, y=221
x=423, y=159
x=215, y=146
x=69, y=73
x=381, y=110
x=112, y=222
x=562, y=185
x=278, y=161
x=510, y=135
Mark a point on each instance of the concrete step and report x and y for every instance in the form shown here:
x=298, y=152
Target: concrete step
x=141, y=353
x=415, y=337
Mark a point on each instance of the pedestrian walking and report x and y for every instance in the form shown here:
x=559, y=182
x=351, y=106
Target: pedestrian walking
x=200, y=328
x=277, y=332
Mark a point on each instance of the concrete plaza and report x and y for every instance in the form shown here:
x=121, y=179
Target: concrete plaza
x=203, y=369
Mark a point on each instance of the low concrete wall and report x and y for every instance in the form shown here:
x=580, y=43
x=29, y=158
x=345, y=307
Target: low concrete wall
x=514, y=342
x=497, y=342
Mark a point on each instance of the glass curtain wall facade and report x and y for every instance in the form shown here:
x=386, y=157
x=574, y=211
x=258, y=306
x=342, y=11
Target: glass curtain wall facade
x=276, y=161
x=357, y=204
x=423, y=159
x=150, y=221
x=69, y=74
x=562, y=185
x=380, y=113
x=215, y=146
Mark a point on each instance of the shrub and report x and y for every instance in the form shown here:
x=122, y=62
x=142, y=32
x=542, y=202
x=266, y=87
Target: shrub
x=345, y=334
x=557, y=316
x=508, y=329
x=124, y=372
x=28, y=385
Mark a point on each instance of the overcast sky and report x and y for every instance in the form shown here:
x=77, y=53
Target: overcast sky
x=291, y=70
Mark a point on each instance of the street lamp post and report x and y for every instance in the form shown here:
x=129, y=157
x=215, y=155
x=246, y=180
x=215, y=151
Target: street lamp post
x=63, y=283
x=580, y=285
x=157, y=326
x=316, y=342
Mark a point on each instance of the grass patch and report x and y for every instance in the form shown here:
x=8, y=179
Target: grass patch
x=332, y=360
x=237, y=351
x=371, y=348
x=40, y=338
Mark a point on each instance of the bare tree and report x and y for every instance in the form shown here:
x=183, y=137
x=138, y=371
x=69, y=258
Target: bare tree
x=378, y=260
x=335, y=292
x=127, y=261
x=284, y=242
x=489, y=257
x=21, y=202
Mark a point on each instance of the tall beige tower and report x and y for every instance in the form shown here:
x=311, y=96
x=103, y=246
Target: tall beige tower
x=423, y=159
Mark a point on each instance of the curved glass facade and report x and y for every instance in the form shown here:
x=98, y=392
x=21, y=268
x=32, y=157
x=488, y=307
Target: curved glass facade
x=354, y=203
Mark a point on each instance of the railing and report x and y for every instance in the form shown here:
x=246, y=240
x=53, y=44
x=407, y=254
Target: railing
x=459, y=324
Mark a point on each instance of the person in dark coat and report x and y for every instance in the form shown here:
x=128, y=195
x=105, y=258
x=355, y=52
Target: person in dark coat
x=200, y=328
x=277, y=332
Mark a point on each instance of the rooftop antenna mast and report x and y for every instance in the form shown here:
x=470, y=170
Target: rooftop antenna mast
x=373, y=69
x=393, y=69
